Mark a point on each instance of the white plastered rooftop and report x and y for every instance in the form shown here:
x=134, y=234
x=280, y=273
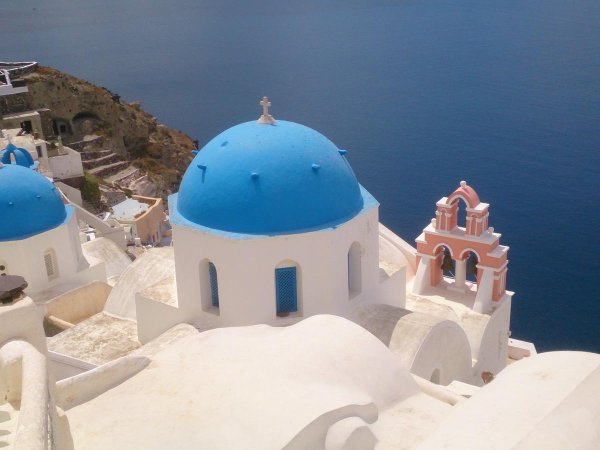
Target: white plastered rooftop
x=549, y=401
x=262, y=387
x=151, y=267
x=255, y=387
x=100, y=339
x=106, y=251
x=112, y=333
x=129, y=209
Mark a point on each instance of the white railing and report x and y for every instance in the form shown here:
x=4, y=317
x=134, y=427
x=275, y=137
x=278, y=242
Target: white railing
x=23, y=369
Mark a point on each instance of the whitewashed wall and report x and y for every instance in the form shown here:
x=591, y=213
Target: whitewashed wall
x=246, y=276
x=66, y=166
x=25, y=257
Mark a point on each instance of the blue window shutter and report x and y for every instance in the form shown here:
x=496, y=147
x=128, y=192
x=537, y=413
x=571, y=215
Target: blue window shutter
x=214, y=284
x=286, y=290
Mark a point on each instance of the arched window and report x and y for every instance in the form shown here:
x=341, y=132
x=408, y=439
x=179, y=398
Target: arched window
x=214, y=285
x=51, y=264
x=287, y=289
x=209, y=287
x=354, y=270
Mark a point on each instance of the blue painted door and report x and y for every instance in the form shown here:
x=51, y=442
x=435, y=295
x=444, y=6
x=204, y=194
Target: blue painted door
x=286, y=290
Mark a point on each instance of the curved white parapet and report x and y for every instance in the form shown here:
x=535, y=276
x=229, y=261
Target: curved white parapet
x=547, y=401
x=23, y=375
x=25, y=397
x=314, y=435
x=81, y=388
x=431, y=347
x=397, y=249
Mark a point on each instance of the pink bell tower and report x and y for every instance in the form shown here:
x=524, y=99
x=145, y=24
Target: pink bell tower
x=443, y=239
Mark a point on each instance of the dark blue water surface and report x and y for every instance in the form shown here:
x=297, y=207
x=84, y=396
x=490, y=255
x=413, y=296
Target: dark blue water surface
x=423, y=93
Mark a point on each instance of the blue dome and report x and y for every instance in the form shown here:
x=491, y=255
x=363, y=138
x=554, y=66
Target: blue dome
x=29, y=203
x=22, y=156
x=269, y=179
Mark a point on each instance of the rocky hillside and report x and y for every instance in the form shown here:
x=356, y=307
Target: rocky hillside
x=156, y=154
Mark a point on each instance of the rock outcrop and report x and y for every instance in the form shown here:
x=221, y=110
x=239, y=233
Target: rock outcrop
x=81, y=109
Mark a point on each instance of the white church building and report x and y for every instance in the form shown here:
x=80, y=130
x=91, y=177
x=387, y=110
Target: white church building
x=39, y=234
x=285, y=315
x=271, y=226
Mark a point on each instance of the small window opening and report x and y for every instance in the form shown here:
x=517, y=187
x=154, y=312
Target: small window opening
x=50, y=263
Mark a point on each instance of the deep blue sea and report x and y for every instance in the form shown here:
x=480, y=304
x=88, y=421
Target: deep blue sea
x=423, y=93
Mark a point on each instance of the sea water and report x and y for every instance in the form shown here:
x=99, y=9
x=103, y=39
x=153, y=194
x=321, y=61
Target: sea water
x=504, y=94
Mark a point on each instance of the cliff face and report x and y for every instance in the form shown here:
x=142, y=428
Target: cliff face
x=80, y=109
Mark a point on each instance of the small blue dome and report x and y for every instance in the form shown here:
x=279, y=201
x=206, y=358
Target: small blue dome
x=22, y=156
x=269, y=179
x=29, y=203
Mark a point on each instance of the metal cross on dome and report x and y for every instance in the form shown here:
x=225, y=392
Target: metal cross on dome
x=266, y=117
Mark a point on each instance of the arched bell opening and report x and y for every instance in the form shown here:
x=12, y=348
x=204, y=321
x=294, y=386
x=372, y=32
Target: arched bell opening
x=472, y=271
x=461, y=211
x=448, y=265
x=442, y=264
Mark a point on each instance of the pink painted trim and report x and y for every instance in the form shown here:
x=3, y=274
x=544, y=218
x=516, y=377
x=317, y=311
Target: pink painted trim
x=467, y=193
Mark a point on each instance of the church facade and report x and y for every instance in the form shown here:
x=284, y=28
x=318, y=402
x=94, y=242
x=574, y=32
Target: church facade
x=39, y=235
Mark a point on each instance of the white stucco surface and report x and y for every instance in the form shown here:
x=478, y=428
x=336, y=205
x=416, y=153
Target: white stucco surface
x=246, y=271
x=151, y=267
x=24, y=389
x=114, y=258
x=97, y=340
x=66, y=165
x=164, y=291
x=25, y=257
x=487, y=333
x=429, y=346
x=250, y=387
x=549, y=401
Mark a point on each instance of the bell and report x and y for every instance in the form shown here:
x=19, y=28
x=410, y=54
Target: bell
x=473, y=265
x=447, y=264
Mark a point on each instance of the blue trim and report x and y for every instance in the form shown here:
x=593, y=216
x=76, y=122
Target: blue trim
x=214, y=285
x=369, y=202
x=286, y=290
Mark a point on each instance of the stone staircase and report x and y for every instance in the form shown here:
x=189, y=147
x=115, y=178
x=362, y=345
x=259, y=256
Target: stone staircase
x=109, y=169
x=101, y=158
x=102, y=163
x=8, y=423
x=109, y=166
